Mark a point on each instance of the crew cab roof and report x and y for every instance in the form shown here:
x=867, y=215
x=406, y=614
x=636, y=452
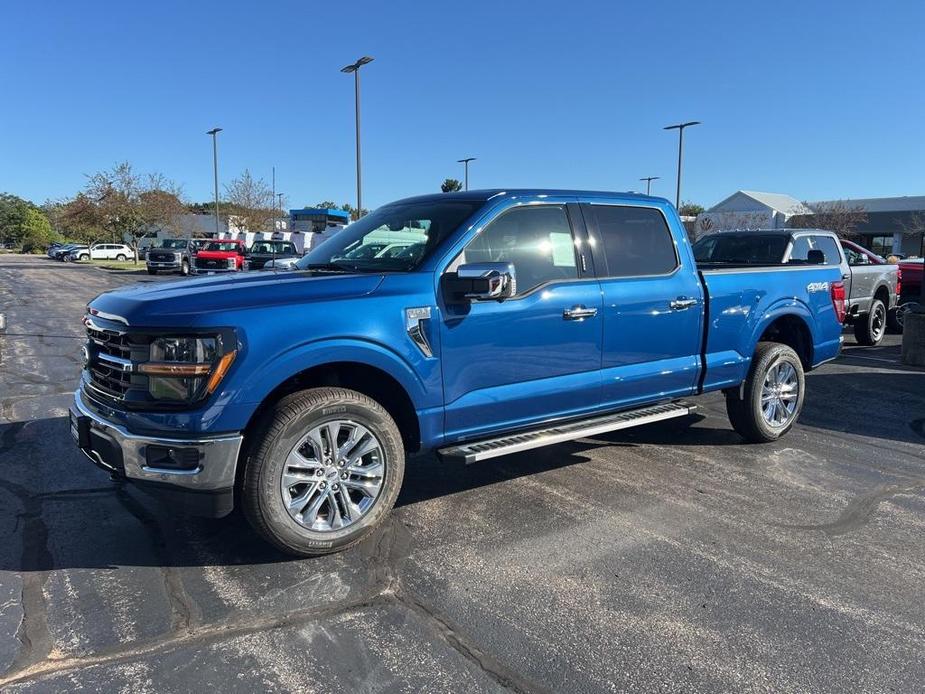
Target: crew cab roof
x=487, y=194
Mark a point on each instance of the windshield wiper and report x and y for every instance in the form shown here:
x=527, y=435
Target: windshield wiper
x=329, y=267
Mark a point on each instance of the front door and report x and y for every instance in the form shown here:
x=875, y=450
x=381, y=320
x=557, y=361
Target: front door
x=532, y=357
x=652, y=305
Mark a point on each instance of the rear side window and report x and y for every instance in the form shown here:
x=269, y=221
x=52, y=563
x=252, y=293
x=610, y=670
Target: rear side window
x=636, y=240
x=802, y=245
x=829, y=247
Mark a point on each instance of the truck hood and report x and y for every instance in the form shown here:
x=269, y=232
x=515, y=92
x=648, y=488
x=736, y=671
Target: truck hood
x=184, y=303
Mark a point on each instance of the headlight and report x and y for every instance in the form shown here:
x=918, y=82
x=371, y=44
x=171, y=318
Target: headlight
x=187, y=369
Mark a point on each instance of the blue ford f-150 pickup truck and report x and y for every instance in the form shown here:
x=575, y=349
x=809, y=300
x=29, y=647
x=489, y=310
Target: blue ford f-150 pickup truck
x=512, y=320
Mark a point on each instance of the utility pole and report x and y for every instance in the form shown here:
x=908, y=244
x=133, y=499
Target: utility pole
x=355, y=69
x=214, y=132
x=680, y=128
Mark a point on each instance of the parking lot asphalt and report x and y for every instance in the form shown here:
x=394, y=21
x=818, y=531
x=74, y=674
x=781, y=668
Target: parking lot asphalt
x=666, y=558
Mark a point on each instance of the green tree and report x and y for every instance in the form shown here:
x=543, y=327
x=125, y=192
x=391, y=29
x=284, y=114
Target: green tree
x=450, y=185
x=36, y=231
x=690, y=209
x=23, y=223
x=120, y=205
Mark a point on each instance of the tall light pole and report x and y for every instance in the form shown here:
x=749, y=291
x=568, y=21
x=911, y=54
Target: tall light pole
x=214, y=132
x=465, y=163
x=680, y=128
x=355, y=69
x=648, y=180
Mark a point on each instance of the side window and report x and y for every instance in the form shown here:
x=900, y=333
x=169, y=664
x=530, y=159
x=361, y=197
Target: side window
x=536, y=239
x=637, y=241
x=800, y=251
x=829, y=248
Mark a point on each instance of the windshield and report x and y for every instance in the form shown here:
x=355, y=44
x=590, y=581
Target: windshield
x=380, y=242
x=172, y=243
x=745, y=248
x=273, y=247
x=225, y=246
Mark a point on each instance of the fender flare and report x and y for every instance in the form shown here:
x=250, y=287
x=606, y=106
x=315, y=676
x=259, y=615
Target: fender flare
x=783, y=308
x=307, y=355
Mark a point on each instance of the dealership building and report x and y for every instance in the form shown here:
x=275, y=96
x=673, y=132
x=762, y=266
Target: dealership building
x=894, y=225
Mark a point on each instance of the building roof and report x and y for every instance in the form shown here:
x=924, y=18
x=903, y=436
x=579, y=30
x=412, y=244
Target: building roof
x=744, y=201
x=904, y=203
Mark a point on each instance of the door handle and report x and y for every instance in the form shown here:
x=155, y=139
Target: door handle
x=682, y=303
x=579, y=313
x=846, y=276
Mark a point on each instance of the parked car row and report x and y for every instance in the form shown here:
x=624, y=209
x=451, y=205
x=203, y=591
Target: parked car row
x=871, y=284
x=70, y=252
x=192, y=256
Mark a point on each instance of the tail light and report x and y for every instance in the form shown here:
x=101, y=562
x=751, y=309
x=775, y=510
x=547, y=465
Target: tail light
x=838, y=300
x=899, y=281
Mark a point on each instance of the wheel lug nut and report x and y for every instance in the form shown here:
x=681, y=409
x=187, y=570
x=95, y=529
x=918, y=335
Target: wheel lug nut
x=322, y=485
x=342, y=463
x=335, y=486
x=343, y=475
x=319, y=472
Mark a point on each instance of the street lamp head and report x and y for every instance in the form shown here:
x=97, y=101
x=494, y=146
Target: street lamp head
x=466, y=160
x=353, y=67
x=213, y=131
x=650, y=178
x=681, y=126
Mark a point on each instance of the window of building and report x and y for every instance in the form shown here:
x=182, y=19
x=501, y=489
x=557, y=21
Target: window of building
x=881, y=245
x=536, y=239
x=636, y=240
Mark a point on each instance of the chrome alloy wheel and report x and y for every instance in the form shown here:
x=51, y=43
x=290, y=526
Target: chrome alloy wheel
x=878, y=322
x=333, y=476
x=780, y=394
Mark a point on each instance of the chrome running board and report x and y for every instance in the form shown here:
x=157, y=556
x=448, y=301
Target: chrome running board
x=474, y=451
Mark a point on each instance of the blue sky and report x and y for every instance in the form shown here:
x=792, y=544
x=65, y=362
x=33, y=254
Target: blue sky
x=816, y=99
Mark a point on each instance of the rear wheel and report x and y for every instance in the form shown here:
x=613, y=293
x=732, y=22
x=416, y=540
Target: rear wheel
x=870, y=328
x=324, y=471
x=770, y=400
x=121, y=257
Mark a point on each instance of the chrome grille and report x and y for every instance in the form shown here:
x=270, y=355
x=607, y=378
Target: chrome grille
x=111, y=357
x=160, y=257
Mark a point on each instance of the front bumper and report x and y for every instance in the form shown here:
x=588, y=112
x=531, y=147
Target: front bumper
x=162, y=265
x=212, y=270
x=206, y=488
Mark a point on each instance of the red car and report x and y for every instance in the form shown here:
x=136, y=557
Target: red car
x=224, y=255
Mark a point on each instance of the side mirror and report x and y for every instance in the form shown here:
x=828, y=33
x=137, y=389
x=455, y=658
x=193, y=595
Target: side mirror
x=483, y=282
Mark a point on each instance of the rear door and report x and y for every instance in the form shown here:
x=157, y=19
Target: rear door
x=529, y=358
x=652, y=304
x=863, y=278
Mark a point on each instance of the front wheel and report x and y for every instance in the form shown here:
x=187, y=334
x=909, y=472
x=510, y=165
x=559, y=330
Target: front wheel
x=184, y=268
x=770, y=400
x=870, y=327
x=152, y=271
x=323, y=471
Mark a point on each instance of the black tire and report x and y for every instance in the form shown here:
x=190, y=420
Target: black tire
x=184, y=268
x=744, y=404
x=869, y=328
x=121, y=258
x=152, y=271
x=83, y=257
x=276, y=435
x=893, y=323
